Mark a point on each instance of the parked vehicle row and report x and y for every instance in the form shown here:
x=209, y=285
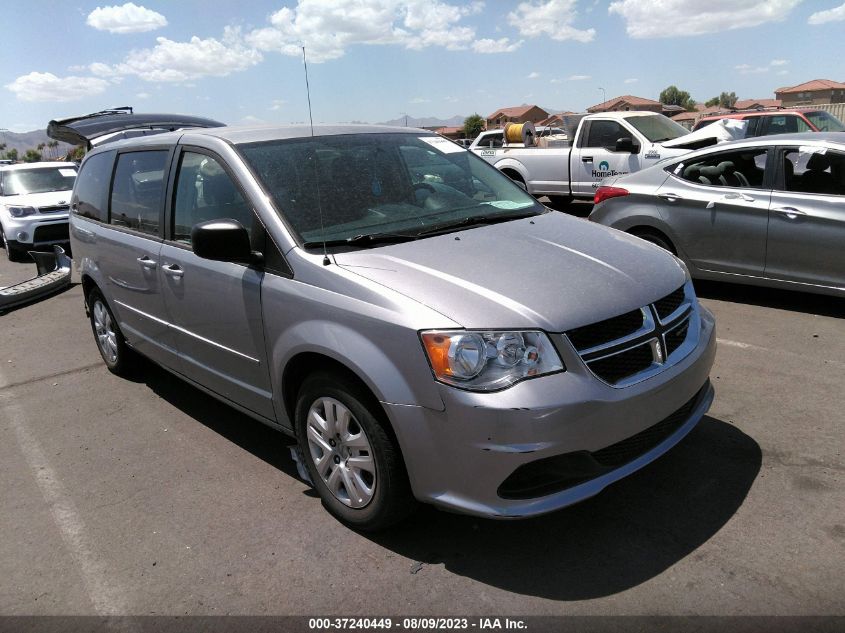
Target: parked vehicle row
x=764, y=211
x=605, y=145
x=779, y=121
x=424, y=327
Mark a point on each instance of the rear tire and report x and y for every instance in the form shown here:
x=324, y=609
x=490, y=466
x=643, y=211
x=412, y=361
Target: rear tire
x=118, y=357
x=656, y=238
x=354, y=463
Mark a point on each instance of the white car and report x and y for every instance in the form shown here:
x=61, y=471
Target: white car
x=34, y=200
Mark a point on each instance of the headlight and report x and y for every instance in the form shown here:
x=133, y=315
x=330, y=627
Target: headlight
x=19, y=212
x=487, y=361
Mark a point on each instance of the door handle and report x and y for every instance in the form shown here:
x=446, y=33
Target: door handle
x=790, y=212
x=174, y=270
x=586, y=159
x=670, y=197
x=146, y=262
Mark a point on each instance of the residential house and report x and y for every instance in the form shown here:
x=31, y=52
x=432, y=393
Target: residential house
x=815, y=92
x=516, y=114
x=626, y=103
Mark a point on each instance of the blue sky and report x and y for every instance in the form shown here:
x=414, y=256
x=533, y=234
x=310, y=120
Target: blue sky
x=373, y=60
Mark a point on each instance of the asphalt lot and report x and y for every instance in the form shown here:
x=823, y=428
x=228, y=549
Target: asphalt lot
x=146, y=496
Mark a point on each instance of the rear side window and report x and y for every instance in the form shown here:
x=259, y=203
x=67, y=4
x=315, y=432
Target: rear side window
x=91, y=191
x=786, y=124
x=753, y=126
x=204, y=191
x=138, y=189
x=814, y=170
x=743, y=168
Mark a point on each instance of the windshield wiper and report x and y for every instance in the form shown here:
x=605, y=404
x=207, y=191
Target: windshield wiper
x=476, y=220
x=365, y=239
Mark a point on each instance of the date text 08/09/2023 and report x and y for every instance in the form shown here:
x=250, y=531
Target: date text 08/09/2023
x=414, y=624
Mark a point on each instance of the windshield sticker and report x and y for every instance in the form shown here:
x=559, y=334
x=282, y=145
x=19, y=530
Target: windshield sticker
x=68, y=173
x=443, y=144
x=508, y=204
x=678, y=169
x=812, y=149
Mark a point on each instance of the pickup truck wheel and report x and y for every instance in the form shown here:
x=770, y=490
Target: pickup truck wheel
x=354, y=463
x=514, y=175
x=116, y=354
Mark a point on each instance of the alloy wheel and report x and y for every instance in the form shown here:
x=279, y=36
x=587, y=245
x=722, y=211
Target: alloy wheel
x=104, y=328
x=341, y=452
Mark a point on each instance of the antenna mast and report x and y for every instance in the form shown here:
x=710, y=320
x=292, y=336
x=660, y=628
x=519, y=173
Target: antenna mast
x=326, y=260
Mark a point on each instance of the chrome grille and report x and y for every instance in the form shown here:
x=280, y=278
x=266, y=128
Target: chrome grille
x=56, y=208
x=631, y=347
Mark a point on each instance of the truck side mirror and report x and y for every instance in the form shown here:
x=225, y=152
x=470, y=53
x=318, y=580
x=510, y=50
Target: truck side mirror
x=626, y=144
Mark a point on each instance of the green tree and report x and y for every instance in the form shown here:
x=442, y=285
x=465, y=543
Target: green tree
x=32, y=156
x=77, y=153
x=2, y=148
x=473, y=125
x=53, y=151
x=712, y=102
x=727, y=99
x=674, y=96
x=12, y=154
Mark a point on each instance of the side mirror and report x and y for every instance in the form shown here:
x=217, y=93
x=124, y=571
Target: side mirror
x=224, y=241
x=626, y=144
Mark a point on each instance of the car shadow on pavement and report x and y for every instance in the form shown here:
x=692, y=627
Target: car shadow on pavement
x=626, y=535
x=251, y=435
x=791, y=300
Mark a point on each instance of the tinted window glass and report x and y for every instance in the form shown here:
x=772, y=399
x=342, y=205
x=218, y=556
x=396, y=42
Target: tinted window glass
x=753, y=126
x=825, y=121
x=605, y=134
x=742, y=168
x=204, y=191
x=138, y=190
x=656, y=128
x=91, y=191
x=786, y=124
x=814, y=170
x=492, y=140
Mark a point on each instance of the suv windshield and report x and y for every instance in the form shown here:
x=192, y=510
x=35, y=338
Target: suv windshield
x=390, y=185
x=38, y=180
x=657, y=128
x=825, y=121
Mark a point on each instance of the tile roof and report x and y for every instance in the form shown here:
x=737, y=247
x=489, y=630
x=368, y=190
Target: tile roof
x=629, y=99
x=744, y=104
x=514, y=111
x=815, y=84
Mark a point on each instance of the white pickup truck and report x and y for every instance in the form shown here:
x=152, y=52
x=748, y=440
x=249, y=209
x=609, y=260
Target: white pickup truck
x=606, y=145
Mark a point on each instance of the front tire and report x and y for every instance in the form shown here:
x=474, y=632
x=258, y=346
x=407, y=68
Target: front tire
x=116, y=354
x=657, y=239
x=354, y=463
x=13, y=253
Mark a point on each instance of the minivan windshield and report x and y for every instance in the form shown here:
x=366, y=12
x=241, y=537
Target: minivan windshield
x=38, y=180
x=657, y=128
x=356, y=188
x=825, y=121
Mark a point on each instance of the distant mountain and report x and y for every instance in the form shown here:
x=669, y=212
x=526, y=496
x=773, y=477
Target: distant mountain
x=23, y=141
x=426, y=121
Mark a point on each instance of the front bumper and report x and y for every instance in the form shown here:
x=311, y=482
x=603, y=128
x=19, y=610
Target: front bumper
x=460, y=457
x=33, y=231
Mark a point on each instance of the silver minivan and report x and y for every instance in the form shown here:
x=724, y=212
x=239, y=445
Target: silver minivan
x=425, y=329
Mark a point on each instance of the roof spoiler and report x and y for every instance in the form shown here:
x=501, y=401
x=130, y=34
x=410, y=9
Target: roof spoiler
x=117, y=123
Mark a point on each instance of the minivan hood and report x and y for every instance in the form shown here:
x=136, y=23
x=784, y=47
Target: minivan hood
x=552, y=272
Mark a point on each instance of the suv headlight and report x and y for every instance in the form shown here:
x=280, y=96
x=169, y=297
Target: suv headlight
x=489, y=360
x=19, y=212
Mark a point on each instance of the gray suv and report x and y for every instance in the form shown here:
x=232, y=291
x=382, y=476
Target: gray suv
x=425, y=329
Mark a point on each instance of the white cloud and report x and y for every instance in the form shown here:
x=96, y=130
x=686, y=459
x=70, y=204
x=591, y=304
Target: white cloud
x=249, y=119
x=419, y=100
x=578, y=77
x=779, y=62
x=48, y=87
x=747, y=69
x=183, y=61
x=533, y=75
x=631, y=80
x=127, y=18
x=783, y=72
x=142, y=95
x=673, y=18
x=277, y=104
x=502, y=45
x=837, y=14
x=100, y=70
x=553, y=18
x=328, y=29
